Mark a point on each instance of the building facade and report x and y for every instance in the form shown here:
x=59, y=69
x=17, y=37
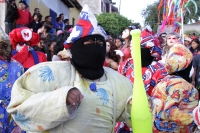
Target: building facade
x=99, y=6
x=70, y=8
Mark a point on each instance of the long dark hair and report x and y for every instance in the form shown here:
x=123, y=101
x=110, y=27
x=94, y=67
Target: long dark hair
x=112, y=54
x=198, y=48
x=48, y=43
x=121, y=40
x=61, y=38
x=48, y=26
x=39, y=16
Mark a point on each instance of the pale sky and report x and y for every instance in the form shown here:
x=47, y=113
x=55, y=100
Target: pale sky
x=132, y=8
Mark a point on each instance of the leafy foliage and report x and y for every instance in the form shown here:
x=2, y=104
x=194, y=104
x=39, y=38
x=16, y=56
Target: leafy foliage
x=151, y=15
x=191, y=32
x=113, y=23
x=190, y=14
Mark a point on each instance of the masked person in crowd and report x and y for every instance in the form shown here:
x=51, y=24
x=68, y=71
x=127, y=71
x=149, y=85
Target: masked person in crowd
x=10, y=71
x=22, y=40
x=81, y=96
x=173, y=97
x=125, y=52
x=152, y=71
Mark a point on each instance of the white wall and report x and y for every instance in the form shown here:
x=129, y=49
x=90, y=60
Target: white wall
x=57, y=6
x=2, y=15
x=186, y=27
x=95, y=5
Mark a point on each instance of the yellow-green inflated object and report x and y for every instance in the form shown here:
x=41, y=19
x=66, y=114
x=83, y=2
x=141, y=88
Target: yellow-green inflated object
x=140, y=113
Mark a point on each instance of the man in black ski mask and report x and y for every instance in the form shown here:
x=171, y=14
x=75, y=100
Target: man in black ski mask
x=79, y=97
x=88, y=56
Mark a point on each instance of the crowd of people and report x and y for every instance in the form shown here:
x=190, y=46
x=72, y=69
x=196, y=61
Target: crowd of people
x=58, y=78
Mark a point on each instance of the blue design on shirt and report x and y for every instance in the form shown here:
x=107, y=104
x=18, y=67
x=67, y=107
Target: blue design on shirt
x=22, y=120
x=46, y=74
x=104, y=97
x=9, y=73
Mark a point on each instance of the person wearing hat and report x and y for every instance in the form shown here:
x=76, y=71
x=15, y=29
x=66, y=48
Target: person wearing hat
x=24, y=16
x=173, y=97
x=152, y=71
x=162, y=38
x=77, y=97
x=187, y=42
x=23, y=40
x=11, y=70
x=171, y=38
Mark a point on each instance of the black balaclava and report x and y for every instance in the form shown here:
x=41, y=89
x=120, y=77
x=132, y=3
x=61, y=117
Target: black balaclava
x=146, y=57
x=184, y=73
x=88, y=59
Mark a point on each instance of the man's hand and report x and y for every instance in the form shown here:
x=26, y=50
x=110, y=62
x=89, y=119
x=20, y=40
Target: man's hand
x=64, y=55
x=74, y=97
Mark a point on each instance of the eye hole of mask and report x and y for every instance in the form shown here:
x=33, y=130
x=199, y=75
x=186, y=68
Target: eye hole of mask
x=90, y=41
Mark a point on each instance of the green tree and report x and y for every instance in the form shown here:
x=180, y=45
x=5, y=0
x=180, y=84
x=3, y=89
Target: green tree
x=150, y=14
x=191, y=32
x=136, y=24
x=190, y=13
x=113, y=23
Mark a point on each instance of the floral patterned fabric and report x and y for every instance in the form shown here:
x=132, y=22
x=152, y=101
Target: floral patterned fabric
x=173, y=102
x=173, y=97
x=9, y=72
x=151, y=75
x=178, y=58
x=40, y=107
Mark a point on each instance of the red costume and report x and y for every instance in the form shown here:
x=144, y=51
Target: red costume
x=25, y=38
x=126, y=52
x=151, y=74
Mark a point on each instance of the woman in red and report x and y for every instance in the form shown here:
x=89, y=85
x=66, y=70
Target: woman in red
x=125, y=51
x=112, y=60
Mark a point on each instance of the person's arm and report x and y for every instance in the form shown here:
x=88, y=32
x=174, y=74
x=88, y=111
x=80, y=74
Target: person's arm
x=194, y=64
x=30, y=18
x=39, y=97
x=121, y=59
x=114, y=65
x=194, y=76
